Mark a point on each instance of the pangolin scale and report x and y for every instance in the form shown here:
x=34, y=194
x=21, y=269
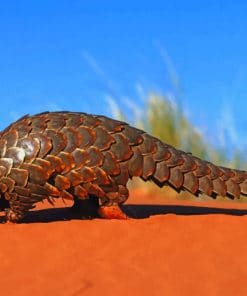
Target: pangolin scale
x=87, y=157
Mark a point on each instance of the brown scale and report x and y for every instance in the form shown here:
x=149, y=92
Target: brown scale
x=110, y=164
x=58, y=140
x=148, y=167
x=162, y=152
x=23, y=128
x=95, y=158
x=112, y=126
x=62, y=182
x=103, y=140
x=19, y=176
x=175, y=158
x=56, y=163
x=45, y=143
x=73, y=139
x=56, y=122
x=38, y=125
x=88, y=136
x=148, y=146
x=191, y=182
x=133, y=135
x=16, y=154
x=6, y=164
x=3, y=147
x=74, y=155
x=121, y=148
x=135, y=164
x=11, y=138
x=31, y=146
x=68, y=160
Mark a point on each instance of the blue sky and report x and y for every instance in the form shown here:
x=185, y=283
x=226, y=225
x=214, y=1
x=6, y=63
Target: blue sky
x=70, y=55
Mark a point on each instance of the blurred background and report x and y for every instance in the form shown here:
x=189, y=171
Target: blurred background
x=175, y=68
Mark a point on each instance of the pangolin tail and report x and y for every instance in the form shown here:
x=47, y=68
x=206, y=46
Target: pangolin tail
x=164, y=165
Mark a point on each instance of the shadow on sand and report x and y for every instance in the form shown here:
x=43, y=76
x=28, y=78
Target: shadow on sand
x=133, y=211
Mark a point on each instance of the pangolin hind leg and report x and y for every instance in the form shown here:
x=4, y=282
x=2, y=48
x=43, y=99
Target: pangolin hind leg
x=18, y=208
x=106, y=204
x=109, y=207
x=90, y=208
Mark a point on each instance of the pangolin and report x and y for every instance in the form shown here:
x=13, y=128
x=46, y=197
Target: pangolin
x=90, y=158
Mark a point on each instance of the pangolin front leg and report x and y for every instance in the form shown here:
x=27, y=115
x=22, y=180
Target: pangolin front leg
x=18, y=209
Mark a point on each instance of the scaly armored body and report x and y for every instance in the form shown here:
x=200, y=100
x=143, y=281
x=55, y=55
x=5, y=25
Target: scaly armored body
x=86, y=157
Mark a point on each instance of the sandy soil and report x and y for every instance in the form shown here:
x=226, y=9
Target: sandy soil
x=170, y=250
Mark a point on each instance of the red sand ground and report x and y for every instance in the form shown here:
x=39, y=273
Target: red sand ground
x=201, y=253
